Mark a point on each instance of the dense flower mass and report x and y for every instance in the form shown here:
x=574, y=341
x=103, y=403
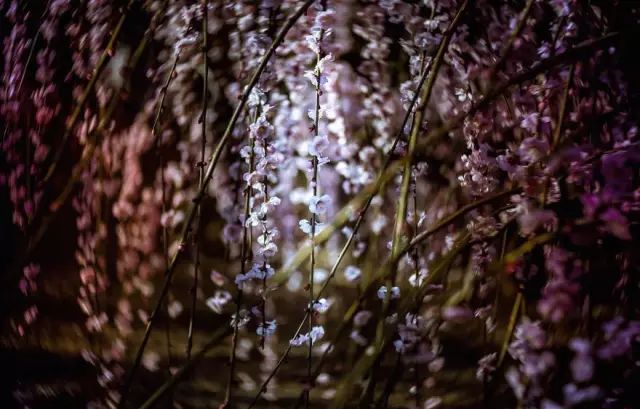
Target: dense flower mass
x=370, y=203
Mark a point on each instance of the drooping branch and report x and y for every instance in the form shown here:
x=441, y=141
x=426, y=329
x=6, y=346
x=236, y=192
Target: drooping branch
x=213, y=161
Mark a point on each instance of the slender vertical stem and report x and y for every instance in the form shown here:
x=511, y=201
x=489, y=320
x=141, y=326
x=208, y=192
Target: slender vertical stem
x=265, y=183
x=245, y=250
x=513, y=319
x=201, y=164
x=263, y=301
x=273, y=372
x=32, y=49
x=314, y=186
x=557, y=132
x=416, y=271
x=392, y=380
x=165, y=254
x=163, y=182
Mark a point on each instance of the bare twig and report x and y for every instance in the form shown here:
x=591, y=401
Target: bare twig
x=314, y=188
x=245, y=250
x=201, y=164
x=165, y=232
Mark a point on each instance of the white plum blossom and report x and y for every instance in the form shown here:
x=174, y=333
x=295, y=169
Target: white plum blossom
x=305, y=226
x=319, y=204
x=175, y=308
x=321, y=305
x=218, y=301
x=241, y=319
x=320, y=275
x=260, y=272
x=352, y=273
x=362, y=317
x=382, y=292
x=400, y=346
x=318, y=145
x=257, y=272
x=316, y=334
x=269, y=329
x=151, y=360
x=313, y=336
x=269, y=249
x=416, y=279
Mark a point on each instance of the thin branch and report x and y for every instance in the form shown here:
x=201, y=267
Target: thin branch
x=165, y=231
x=557, y=132
x=392, y=381
x=513, y=319
x=263, y=296
x=200, y=165
x=314, y=217
x=265, y=383
x=245, y=250
x=419, y=238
